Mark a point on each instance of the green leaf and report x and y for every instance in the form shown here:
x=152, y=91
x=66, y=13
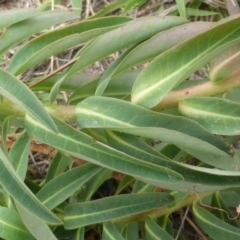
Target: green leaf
x=14, y=186
x=81, y=145
x=181, y=8
x=214, y=227
x=113, y=208
x=21, y=30
x=217, y=115
x=97, y=134
x=141, y=29
x=110, y=8
x=103, y=82
x=233, y=95
x=61, y=233
x=19, y=93
x=199, y=13
x=141, y=187
x=77, y=6
x=167, y=70
x=101, y=112
x=19, y=153
x=131, y=5
x=222, y=211
x=15, y=15
x=47, y=5
x=93, y=184
x=154, y=232
x=125, y=182
x=225, y=65
x=79, y=234
x=38, y=228
x=166, y=224
x=132, y=231
x=110, y=232
x=60, y=40
x=11, y=227
x=201, y=179
x=71, y=84
x=57, y=166
x=4, y=131
x=151, y=48
x=63, y=186
x=118, y=87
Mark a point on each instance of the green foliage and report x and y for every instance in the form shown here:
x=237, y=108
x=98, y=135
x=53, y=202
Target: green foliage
x=172, y=141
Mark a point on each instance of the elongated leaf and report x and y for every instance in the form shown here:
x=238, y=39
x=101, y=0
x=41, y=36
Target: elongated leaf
x=86, y=148
x=47, y=5
x=132, y=231
x=58, y=165
x=17, y=92
x=202, y=179
x=11, y=227
x=154, y=232
x=110, y=232
x=101, y=112
x=15, y=15
x=131, y=5
x=4, y=131
x=71, y=84
x=199, y=13
x=59, y=40
x=38, y=228
x=151, y=48
x=21, y=30
x=95, y=182
x=14, y=186
x=126, y=181
x=113, y=208
x=19, y=153
x=214, y=227
x=224, y=213
x=103, y=82
x=166, y=224
x=217, y=115
x=118, y=87
x=60, y=233
x=63, y=186
x=110, y=8
x=181, y=8
x=225, y=65
x=79, y=234
x=178, y=63
x=97, y=134
x=141, y=187
x=77, y=6
x=233, y=95
x=141, y=29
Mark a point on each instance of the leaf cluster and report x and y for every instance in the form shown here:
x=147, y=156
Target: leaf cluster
x=170, y=141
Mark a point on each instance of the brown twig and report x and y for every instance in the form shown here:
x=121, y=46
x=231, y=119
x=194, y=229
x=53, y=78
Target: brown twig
x=53, y=73
x=196, y=228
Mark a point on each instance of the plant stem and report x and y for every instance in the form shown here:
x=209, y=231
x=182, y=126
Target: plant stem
x=187, y=201
x=201, y=90
x=64, y=113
